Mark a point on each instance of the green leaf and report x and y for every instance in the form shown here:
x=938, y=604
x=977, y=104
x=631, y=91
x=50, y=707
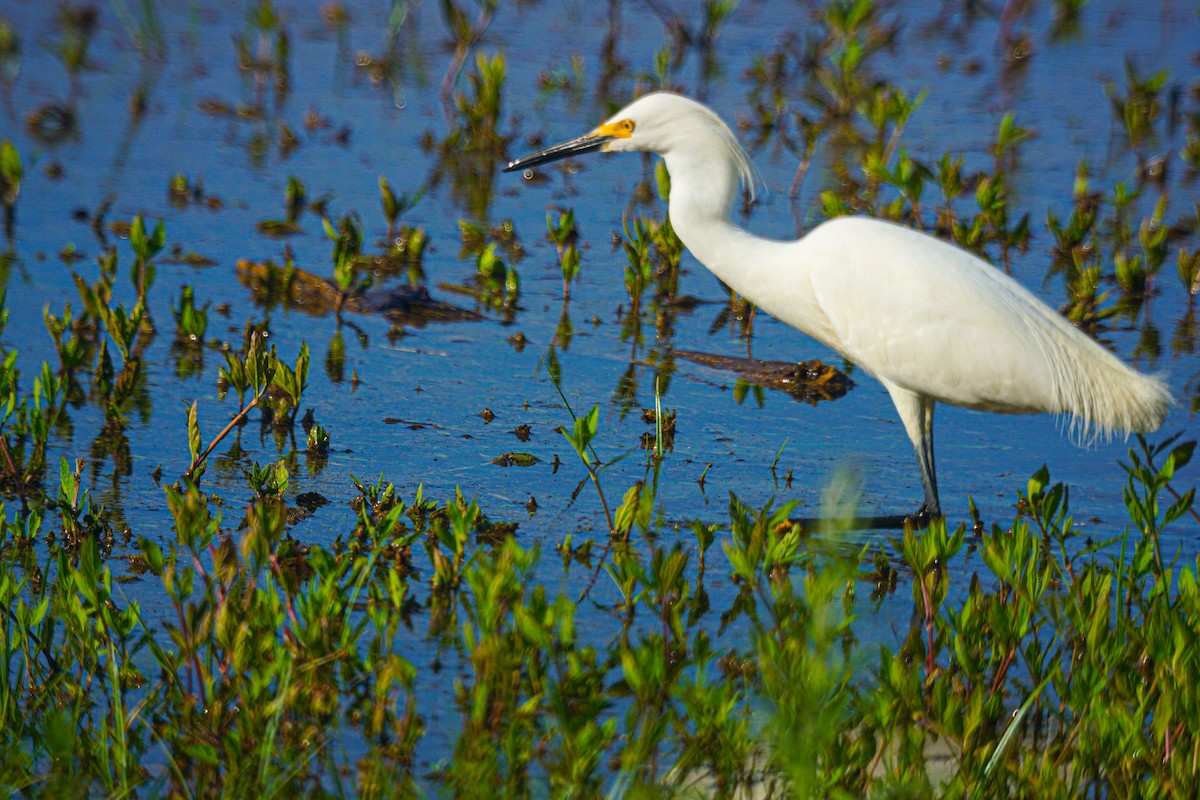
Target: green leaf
x=193, y=430
x=137, y=235
x=58, y=731
x=1179, y=458
x=157, y=240
x=1037, y=483
x=1180, y=506
x=627, y=512
x=153, y=554
x=204, y=753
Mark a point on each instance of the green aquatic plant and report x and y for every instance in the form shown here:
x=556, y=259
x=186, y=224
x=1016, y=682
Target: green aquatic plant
x=499, y=281
x=479, y=109
x=393, y=206
x=191, y=321
x=268, y=480
x=27, y=419
x=288, y=384
x=1078, y=230
x=468, y=155
x=1187, y=265
x=72, y=349
x=144, y=271
x=270, y=383
x=409, y=245
x=347, y=247
x=268, y=648
x=652, y=253
x=563, y=234
x=317, y=441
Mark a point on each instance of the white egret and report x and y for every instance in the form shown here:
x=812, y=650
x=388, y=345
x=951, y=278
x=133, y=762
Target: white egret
x=932, y=322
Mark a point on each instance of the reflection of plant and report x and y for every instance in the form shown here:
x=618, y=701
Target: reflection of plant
x=10, y=52
x=294, y=198
x=469, y=154
x=1140, y=107
x=145, y=248
x=466, y=34
x=142, y=26
x=1191, y=147
x=264, y=50
x=571, y=79
x=191, y=322
x=652, y=252
x=347, y=246
x=1188, y=265
x=26, y=421
x=565, y=236
x=73, y=350
x=10, y=183
x=479, y=110
x=77, y=24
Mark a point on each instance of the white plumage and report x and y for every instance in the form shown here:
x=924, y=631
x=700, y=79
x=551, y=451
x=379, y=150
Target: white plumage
x=932, y=322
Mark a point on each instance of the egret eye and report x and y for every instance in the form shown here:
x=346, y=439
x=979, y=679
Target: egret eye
x=627, y=125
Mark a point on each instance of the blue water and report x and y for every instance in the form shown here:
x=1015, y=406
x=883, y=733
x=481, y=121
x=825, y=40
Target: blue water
x=443, y=375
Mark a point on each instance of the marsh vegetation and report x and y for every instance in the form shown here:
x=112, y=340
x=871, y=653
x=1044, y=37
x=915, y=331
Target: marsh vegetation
x=335, y=462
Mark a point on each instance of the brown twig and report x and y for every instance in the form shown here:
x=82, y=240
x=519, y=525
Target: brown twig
x=237, y=420
x=12, y=468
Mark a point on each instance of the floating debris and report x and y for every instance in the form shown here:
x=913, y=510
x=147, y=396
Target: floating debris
x=304, y=291
x=807, y=381
x=515, y=460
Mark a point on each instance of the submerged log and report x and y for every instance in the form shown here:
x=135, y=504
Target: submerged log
x=806, y=381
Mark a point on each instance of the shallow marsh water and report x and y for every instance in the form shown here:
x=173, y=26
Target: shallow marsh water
x=414, y=412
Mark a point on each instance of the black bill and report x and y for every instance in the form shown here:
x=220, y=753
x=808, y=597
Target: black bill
x=584, y=144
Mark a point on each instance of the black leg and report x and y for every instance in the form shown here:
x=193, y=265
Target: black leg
x=924, y=448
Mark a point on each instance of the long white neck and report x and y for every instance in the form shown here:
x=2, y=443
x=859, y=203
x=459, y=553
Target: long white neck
x=771, y=274
x=702, y=197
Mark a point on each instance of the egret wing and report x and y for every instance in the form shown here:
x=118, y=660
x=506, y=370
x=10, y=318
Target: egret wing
x=930, y=317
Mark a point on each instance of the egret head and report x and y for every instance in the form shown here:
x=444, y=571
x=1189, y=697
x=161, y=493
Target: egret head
x=673, y=126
